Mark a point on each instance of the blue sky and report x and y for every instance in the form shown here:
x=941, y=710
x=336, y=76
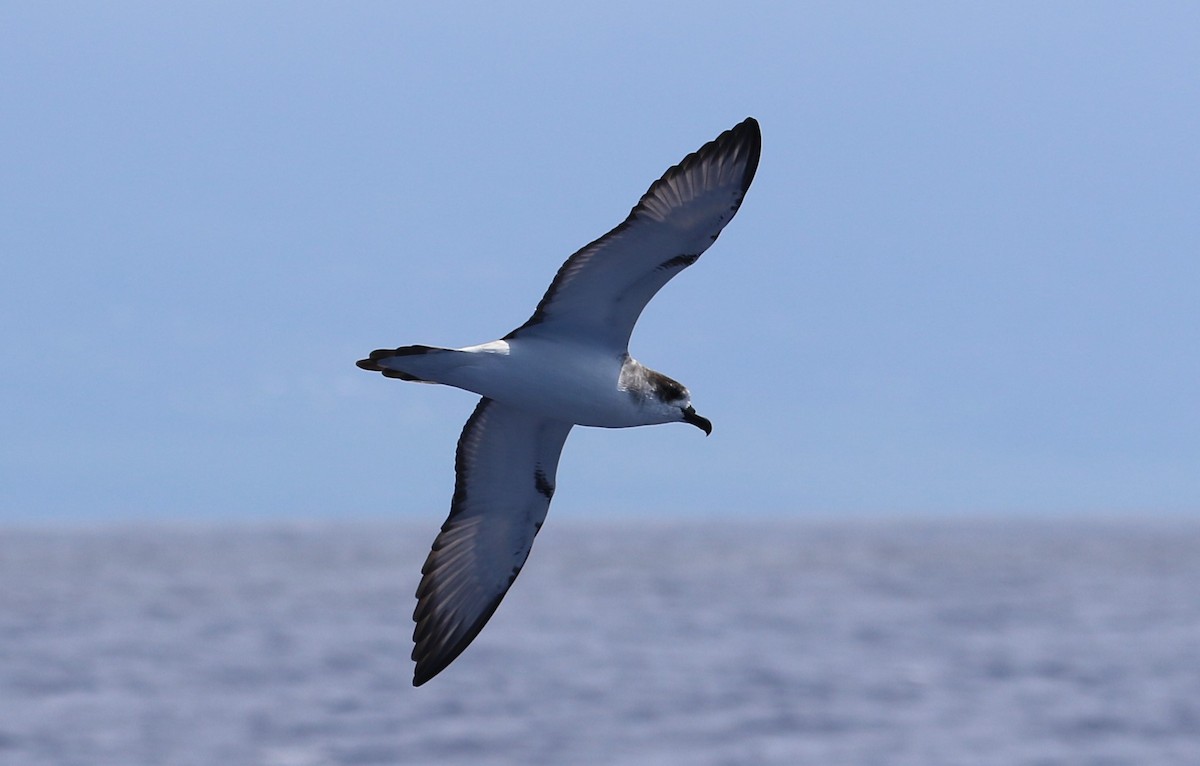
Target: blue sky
x=965, y=280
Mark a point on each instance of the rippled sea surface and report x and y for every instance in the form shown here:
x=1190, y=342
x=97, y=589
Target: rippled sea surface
x=1066, y=642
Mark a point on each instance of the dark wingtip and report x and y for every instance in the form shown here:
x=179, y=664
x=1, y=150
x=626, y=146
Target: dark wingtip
x=741, y=143
x=428, y=666
x=432, y=660
x=748, y=132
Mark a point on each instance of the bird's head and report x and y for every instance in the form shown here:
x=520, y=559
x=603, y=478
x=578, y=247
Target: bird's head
x=675, y=402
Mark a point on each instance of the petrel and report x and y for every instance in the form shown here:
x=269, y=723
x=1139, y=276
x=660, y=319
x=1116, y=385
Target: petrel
x=568, y=365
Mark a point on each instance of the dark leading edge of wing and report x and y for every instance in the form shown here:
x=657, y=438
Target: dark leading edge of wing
x=600, y=291
x=504, y=468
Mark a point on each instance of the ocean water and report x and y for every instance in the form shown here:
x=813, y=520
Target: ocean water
x=942, y=642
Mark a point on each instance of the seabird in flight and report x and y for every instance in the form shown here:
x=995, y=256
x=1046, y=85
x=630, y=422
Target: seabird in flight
x=568, y=365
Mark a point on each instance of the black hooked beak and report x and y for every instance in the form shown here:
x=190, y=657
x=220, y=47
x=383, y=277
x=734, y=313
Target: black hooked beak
x=703, y=423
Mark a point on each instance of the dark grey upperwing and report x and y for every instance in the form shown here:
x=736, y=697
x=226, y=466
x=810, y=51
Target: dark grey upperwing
x=600, y=291
x=505, y=470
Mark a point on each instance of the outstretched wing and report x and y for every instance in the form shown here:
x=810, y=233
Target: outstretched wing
x=600, y=291
x=505, y=478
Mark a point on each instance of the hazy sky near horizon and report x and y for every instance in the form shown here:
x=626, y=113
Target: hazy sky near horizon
x=965, y=279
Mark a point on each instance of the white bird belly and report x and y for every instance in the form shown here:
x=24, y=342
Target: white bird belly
x=569, y=383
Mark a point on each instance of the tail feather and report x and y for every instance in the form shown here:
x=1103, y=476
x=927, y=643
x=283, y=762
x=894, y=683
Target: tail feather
x=390, y=361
